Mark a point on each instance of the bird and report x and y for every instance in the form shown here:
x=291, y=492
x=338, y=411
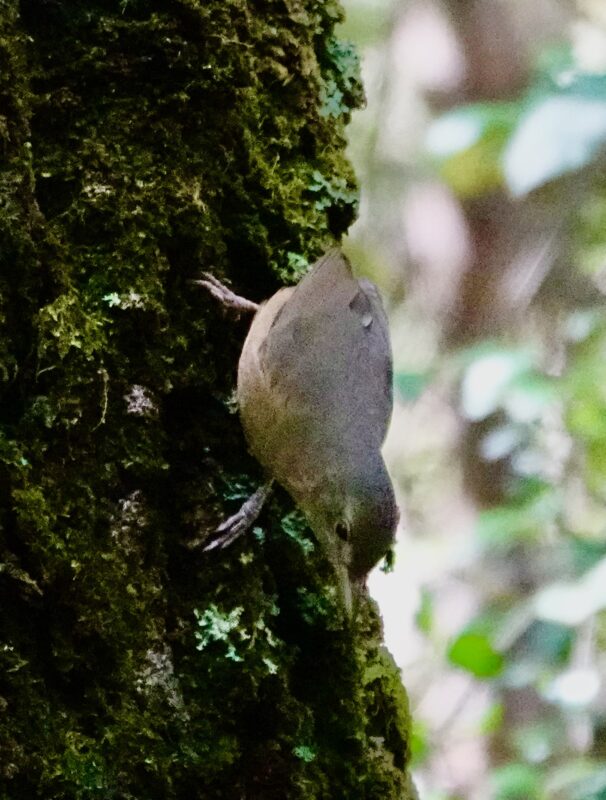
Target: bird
x=314, y=392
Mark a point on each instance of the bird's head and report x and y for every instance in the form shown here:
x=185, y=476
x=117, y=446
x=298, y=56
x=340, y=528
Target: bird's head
x=357, y=528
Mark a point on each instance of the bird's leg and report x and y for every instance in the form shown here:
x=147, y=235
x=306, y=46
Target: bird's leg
x=241, y=521
x=232, y=528
x=225, y=296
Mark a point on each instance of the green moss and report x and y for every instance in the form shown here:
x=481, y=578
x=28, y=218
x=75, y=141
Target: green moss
x=144, y=142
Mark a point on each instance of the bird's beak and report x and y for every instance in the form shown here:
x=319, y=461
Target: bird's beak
x=357, y=588
x=345, y=589
x=352, y=591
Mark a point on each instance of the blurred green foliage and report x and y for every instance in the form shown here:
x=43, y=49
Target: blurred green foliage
x=547, y=631
x=529, y=392
x=558, y=127
x=473, y=652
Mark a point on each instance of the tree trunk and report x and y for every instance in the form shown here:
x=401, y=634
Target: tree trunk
x=144, y=142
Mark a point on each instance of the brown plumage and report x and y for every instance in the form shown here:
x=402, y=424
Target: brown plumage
x=315, y=396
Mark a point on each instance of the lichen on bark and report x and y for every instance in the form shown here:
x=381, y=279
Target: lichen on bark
x=143, y=142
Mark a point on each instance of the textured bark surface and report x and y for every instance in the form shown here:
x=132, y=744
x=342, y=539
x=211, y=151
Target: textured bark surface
x=143, y=142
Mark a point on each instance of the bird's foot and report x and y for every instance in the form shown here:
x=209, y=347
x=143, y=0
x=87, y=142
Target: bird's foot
x=225, y=296
x=233, y=527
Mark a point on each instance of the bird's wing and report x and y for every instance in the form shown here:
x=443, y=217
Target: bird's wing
x=327, y=353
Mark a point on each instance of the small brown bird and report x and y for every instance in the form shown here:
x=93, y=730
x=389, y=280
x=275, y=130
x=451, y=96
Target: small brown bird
x=315, y=398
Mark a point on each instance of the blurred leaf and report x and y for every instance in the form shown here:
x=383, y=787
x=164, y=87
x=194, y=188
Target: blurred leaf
x=528, y=396
x=533, y=506
x=559, y=128
x=555, y=60
x=583, y=322
x=580, y=83
x=410, y=385
x=590, y=232
x=474, y=653
x=366, y=21
x=516, y=782
x=574, y=602
x=558, y=134
x=419, y=742
x=587, y=418
x=500, y=442
x=492, y=720
x=475, y=171
x=424, y=615
x=574, y=688
x=469, y=142
x=502, y=525
x=522, y=673
x=585, y=383
x=586, y=553
x=458, y=130
x=535, y=741
x=591, y=788
x=455, y=132
x=487, y=378
x=579, y=780
x=548, y=642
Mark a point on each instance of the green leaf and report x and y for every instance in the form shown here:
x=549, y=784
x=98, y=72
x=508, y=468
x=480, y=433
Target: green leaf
x=474, y=653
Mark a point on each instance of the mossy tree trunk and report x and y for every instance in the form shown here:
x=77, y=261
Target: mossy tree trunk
x=144, y=141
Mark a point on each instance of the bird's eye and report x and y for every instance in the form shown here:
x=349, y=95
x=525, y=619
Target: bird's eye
x=342, y=531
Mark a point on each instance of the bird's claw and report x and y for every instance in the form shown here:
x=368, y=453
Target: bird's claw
x=225, y=295
x=230, y=530
x=233, y=527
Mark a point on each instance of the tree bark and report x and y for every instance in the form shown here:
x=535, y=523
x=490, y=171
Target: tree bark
x=144, y=142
